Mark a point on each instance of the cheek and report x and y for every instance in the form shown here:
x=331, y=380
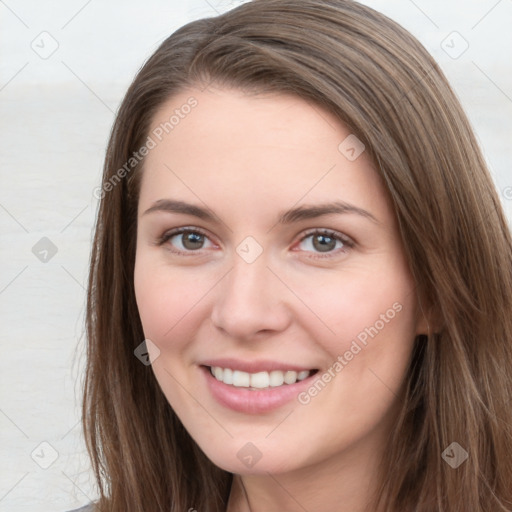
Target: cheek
x=160, y=307
x=367, y=328
x=354, y=304
x=370, y=353
x=169, y=302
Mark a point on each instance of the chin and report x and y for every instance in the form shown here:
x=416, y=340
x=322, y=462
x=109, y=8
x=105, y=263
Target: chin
x=247, y=458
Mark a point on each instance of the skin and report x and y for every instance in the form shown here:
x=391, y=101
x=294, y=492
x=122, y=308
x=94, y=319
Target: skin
x=248, y=158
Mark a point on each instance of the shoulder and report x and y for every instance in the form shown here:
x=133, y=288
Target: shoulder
x=87, y=508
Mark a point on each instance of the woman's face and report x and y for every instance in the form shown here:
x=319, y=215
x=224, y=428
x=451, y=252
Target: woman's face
x=280, y=256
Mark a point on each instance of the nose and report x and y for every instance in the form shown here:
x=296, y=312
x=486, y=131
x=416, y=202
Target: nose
x=250, y=301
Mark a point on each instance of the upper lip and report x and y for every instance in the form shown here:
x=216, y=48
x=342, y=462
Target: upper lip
x=254, y=366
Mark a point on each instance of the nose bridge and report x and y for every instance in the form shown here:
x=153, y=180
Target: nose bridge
x=247, y=300
x=247, y=279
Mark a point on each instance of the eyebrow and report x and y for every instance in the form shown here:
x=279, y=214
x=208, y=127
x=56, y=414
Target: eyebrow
x=288, y=217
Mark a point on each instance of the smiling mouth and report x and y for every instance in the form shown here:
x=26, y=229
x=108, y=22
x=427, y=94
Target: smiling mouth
x=259, y=380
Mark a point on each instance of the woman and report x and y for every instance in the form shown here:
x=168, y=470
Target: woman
x=301, y=278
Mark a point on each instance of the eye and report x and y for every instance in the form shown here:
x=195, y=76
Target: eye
x=185, y=240
x=325, y=242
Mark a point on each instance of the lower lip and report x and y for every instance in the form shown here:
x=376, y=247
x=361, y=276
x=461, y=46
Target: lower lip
x=253, y=401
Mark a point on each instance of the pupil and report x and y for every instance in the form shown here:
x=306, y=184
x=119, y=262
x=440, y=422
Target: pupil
x=192, y=240
x=324, y=243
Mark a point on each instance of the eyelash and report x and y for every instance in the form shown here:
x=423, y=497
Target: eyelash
x=347, y=242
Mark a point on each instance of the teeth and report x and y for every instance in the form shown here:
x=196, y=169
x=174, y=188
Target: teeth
x=218, y=373
x=260, y=380
x=276, y=378
x=227, y=376
x=303, y=374
x=240, y=379
x=290, y=377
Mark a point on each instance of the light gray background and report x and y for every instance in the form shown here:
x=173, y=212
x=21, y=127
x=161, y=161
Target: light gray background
x=56, y=113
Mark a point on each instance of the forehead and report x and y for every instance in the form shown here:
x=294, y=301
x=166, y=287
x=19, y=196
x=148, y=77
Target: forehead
x=253, y=151
x=230, y=118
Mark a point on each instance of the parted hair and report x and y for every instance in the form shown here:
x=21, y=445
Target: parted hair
x=378, y=80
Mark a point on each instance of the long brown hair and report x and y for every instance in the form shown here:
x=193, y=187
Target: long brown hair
x=384, y=86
